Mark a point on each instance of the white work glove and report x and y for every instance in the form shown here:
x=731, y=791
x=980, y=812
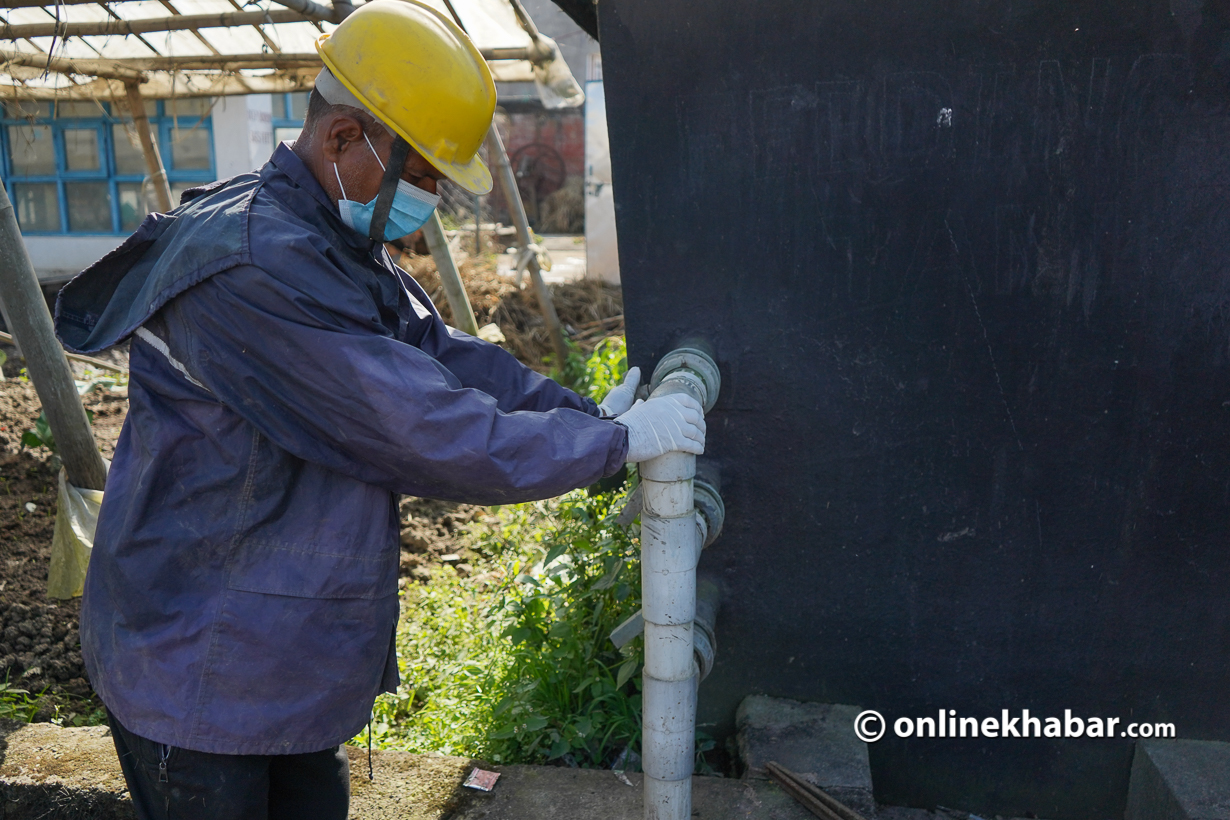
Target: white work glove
x=620, y=398
x=663, y=425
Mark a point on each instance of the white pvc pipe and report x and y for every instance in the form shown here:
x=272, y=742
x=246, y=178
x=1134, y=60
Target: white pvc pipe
x=670, y=548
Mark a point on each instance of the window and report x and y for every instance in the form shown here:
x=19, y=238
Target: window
x=288, y=113
x=77, y=167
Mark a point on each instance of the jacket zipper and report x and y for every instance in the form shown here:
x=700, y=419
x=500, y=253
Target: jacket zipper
x=162, y=764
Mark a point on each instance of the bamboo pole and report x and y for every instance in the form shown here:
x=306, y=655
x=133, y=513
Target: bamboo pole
x=190, y=62
x=450, y=277
x=174, y=22
x=149, y=149
x=76, y=357
x=516, y=210
x=38, y=4
x=128, y=68
x=105, y=69
x=45, y=362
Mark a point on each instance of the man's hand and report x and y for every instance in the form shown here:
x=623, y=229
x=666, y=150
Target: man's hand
x=620, y=399
x=664, y=425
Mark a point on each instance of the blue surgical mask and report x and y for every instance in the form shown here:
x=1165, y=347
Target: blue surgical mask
x=412, y=207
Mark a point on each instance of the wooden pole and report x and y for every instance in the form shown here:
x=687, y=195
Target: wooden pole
x=516, y=210
x=149, y=149
x=146, y=25
x=126, y=68
x=105, y=69
x=450, y=277
x=45, y=362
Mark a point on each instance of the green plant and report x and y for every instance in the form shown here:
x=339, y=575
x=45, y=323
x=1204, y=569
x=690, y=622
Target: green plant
x=571, y=692
x=572, y=375
x=514, y=663
x=41, y=435
x=606, y=367
x=593, y=375
x=18, y=704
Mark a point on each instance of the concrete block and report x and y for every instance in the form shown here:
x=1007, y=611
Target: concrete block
x=1179, y=780
x=814, y=740
x=46, y=771
x=549, y=793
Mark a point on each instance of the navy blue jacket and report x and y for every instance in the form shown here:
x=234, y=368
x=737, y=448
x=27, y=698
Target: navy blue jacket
x=286, y=386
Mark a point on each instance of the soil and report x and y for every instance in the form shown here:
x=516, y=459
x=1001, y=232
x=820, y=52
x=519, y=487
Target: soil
x=39, y=646
x=589, y=310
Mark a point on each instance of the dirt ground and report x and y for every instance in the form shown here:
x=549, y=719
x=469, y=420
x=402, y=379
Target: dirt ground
x=39, y=646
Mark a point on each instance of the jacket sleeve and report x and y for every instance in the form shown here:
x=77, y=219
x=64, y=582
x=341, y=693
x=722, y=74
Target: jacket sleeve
x=489, y=367
x=330, y=386
x=495, y=371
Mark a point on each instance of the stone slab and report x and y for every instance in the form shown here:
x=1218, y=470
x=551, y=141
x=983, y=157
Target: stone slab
x=814, y=740
x=1179, y=780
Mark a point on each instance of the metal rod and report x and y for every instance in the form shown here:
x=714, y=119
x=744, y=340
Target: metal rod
x=45, y=361
x=149, y=149
x=816, y=799
x=516, y=210
x=450, y=277
x=174, y=22
x=106, y=69
x=478, y=225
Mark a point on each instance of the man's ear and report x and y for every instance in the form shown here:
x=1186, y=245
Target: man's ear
x=340, y=130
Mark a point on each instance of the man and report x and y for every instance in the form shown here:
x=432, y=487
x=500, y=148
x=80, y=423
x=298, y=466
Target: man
x=288, y=381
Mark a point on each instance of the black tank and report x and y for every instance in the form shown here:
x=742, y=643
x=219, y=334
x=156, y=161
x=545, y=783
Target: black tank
x=966, y=270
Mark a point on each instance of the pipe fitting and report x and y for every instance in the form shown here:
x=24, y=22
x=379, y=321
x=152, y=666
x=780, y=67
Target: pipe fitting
x=704, y=638
x=688, y=369
x=710, y=509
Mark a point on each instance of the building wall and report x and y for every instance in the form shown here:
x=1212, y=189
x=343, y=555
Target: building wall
x=243, y=133
x=57, y=151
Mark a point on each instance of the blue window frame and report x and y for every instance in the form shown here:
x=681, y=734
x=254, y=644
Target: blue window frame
x=78, y=170
x=288, y=113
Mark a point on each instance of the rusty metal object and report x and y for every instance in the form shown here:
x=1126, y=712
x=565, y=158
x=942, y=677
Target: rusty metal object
x=813, y=798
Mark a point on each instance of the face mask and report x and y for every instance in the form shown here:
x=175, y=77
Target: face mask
x=412, y=207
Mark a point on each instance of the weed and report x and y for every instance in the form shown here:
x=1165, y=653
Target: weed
x=18, y=704
x=514, y=663
x=595, y=375
x=570, y=691
x=41, y=435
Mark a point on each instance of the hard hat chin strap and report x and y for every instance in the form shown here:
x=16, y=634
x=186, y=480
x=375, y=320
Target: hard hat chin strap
x=388, y=187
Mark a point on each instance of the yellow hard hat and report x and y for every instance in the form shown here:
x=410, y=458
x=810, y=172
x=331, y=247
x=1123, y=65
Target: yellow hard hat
x=418, y=73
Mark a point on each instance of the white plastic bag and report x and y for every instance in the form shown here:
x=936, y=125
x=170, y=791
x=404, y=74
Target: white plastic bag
x=76, y=517
x=557, y=88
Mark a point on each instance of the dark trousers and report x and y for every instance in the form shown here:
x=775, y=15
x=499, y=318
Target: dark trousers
x=168, y=782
